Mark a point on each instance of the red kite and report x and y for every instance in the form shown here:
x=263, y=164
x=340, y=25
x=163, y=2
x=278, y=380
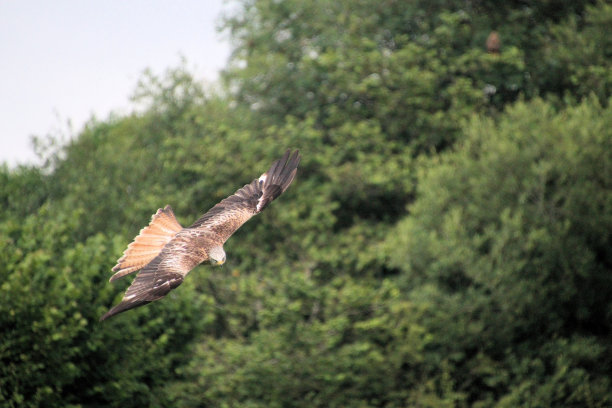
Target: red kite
x=166, y=252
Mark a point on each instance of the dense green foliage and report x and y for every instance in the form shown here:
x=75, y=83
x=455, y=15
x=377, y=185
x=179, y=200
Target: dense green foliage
x=445, y=244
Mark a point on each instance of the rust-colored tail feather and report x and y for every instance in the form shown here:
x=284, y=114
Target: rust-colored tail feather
x=148, y=244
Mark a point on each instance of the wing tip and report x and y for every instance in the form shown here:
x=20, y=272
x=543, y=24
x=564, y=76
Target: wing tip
x=290, y=169
x=282, y=167
x=120, y=273
x=278, y=178
x=106, y=315
x=123, y=306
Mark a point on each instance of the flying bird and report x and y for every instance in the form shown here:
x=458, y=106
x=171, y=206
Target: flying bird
x=165, y=252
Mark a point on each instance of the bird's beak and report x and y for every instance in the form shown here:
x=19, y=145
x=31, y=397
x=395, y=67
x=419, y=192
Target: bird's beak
x=221, y=262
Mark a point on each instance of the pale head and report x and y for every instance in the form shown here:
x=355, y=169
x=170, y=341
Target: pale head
x=216, y=255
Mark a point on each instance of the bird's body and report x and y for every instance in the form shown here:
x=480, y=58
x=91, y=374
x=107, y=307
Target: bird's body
x=165, y=252
x=493, y=43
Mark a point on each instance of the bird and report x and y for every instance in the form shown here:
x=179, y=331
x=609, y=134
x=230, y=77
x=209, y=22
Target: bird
x=493, y=43
x=164, y=252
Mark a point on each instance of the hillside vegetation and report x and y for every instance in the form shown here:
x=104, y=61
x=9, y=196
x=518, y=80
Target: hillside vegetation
x=446, y=242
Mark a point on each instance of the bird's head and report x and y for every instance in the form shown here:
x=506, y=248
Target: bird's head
x=216, y=255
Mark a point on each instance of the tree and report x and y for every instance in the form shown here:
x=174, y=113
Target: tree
x=445, y=242
x=508, y=241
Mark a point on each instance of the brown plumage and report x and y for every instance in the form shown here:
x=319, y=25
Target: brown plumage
x=493, y=43
x=166, y=252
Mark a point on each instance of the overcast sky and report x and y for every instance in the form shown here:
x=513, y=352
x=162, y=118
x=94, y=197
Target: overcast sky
x=66, y=60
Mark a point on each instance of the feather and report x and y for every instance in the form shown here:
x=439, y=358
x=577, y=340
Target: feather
x=148, y=244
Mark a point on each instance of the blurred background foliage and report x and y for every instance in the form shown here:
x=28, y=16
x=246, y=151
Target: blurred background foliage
x=445, y=244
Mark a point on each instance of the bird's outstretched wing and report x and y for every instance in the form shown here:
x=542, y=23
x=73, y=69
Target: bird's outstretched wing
x=229, y=214
x=159, y=277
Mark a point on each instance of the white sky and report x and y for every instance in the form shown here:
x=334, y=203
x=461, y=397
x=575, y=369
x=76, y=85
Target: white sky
x=66, y=60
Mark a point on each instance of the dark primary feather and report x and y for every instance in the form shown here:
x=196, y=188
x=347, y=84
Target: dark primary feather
x=160, y=288
x=152, y=283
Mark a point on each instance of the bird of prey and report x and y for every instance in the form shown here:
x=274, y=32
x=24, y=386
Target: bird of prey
x=165, y=252
x=493, y=43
